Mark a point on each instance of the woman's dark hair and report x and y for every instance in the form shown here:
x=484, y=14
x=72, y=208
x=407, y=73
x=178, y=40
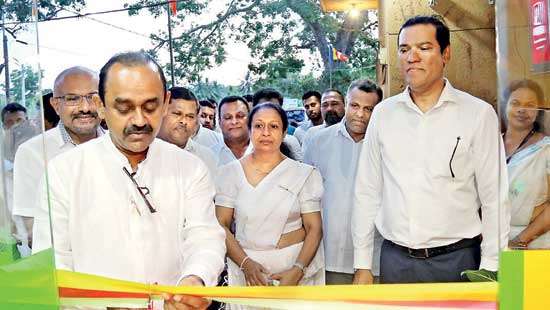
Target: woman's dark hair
x=284, y=119
x=267, y=94
x=49, y=112
x=532, y=86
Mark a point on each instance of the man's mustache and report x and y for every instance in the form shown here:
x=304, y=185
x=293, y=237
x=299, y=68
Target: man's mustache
x=138, y=130
x=83, y=114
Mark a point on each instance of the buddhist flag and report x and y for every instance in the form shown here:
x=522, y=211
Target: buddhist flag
x=174, y=7
x=339, y=56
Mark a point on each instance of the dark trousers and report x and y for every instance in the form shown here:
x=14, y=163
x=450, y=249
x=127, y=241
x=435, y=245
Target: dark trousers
x=396, y=266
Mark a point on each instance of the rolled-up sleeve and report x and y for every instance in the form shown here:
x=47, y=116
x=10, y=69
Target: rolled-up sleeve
x=367, y=197
x=203, y=237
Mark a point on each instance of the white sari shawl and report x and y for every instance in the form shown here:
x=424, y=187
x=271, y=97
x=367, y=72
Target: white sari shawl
x=528, y=172
x=272, y=208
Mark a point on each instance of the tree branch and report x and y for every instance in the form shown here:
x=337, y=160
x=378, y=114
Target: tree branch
x=231, y=11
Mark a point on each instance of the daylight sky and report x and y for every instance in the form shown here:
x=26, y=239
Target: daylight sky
x=88, y=43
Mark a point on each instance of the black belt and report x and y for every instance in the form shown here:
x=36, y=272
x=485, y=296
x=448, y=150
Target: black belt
x=431, y=252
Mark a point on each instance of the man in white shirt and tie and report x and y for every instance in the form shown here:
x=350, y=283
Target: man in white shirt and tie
x=181, y=121
x=73, y=91
x=128, y=205
x=335, y=151
x=432, y=158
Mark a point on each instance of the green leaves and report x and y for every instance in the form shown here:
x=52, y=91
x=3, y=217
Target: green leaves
x=277, y=32
x=481, y=275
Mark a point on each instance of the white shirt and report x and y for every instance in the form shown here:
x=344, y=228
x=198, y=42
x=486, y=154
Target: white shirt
x=309, y=136
x=300, y=132
x=404, y=183
x=101, y=224
x=334, y=152
x=29, y=168
x=204, y=153
x=207, y=137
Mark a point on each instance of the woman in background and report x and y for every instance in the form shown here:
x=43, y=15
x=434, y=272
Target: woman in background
x=528, y=159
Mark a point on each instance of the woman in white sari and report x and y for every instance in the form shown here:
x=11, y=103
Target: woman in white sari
x=528, y=158
x=274, y=203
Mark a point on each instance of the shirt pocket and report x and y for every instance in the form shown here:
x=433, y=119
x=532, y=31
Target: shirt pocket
x=450, y=156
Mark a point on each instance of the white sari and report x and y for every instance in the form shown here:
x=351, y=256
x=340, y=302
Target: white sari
x=270, y=209
x=528, y=172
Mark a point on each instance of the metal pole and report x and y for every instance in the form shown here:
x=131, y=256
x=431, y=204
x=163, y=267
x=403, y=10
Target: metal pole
x=6, y=59
x=23, y=90
x=170, y=45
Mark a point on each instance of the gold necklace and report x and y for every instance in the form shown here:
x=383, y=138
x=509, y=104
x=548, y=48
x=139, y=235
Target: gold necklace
x=261, y=171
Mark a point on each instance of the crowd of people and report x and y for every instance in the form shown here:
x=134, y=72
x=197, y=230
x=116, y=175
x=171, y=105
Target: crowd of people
x=175, y=190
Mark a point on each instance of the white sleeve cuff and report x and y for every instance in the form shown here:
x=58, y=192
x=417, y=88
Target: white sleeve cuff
x=362, y=259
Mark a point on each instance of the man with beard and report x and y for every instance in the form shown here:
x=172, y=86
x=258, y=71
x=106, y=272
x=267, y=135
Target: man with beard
x=181, y=121
x=73, y=99
x=207, y=114
x=312, y=103
x=151, y=200
x=332, y=110
x=334, y=151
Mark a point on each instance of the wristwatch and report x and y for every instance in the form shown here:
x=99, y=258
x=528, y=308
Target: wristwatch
x=300, y=266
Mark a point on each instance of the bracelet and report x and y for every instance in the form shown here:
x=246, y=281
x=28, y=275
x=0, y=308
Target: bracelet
x=300, y=266
x=242, y=263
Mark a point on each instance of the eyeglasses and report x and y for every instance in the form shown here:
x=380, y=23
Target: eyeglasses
x=74, y=100
x=141, y=190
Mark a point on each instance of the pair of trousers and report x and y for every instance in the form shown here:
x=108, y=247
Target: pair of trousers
x=396, y=266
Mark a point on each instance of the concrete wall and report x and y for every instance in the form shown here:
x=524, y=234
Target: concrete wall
x=473, y=60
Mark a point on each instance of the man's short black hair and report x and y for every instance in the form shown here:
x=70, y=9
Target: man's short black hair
x=232, y=99
x=334, y=90
x=12, y=108
x=182, y=93
x=207, y=103
x=49, y=112
x=249, y=97
x=129, y=59
x=442, y=33
x=267, y=94
x=368, y=87
x=312, y=93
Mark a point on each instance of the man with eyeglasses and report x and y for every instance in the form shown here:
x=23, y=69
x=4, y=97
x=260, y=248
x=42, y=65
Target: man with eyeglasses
x=130, y=206
x=73, y=93
x=335, y=151
x=432, y=159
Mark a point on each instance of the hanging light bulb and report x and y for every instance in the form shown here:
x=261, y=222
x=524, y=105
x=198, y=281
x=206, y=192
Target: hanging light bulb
x=353, y=12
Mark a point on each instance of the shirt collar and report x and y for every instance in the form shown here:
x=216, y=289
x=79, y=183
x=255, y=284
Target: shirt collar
x=120, y=158
x=190, y=145
x=342, y=130
x=447, y=95
x=67, y=138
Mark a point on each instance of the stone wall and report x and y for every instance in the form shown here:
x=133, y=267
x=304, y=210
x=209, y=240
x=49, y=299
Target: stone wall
x=473, y=57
